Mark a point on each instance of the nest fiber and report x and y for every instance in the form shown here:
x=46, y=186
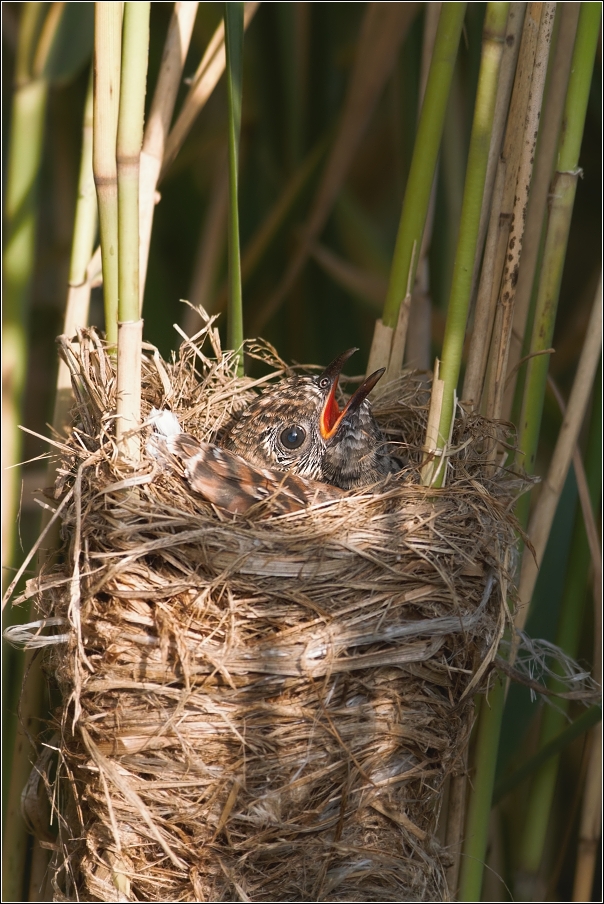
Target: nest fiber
x=263, y=707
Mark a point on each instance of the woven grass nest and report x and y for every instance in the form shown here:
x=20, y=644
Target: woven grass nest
x=263, y=708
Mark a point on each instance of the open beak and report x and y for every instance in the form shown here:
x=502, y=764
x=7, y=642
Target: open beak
x=331, y=416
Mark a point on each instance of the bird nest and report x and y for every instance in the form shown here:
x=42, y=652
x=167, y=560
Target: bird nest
x=263, y=707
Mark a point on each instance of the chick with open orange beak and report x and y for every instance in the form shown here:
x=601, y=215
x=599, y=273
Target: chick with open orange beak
x=298, y=426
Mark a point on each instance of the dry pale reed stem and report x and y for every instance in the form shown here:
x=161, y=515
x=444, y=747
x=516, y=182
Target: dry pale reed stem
x=434, y=459
x=505, y=310
x=399, y=340
x=399, y=336
x=130, y=337
x=493, y=199
x=507, y=70
x=541, y=521
x=501, y=209
x=107, y=65
x=204, y=81
x=558, y=76
x=160, y=117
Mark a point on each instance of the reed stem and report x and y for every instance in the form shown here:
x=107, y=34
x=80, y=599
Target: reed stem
x=107, y=65
x=25, y=147
x=84, y=234
x=233, y=24
x=175, y=52
x=484, y=265
x=572, y=613
x=423, y=163
x=490, y=719
x=461, y=287
x=24, y=157
x=135, y=52
x=475, y=385
x=203, y=83
x=507, y=294
x=567, y=18
x=562, y=196
x=543, y=515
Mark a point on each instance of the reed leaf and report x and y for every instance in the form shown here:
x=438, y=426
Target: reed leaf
x=203, y=83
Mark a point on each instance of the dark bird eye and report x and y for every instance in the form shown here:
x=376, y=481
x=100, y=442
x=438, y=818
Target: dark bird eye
x=324, y=382
x=293, y=436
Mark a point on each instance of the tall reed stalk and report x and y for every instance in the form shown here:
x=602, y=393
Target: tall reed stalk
x=421, y=177
x=39, y=26
x=135, y=52
x=555, y=94
x=461, y=287
x=233, y=25
x=501, y=203
x=570, y=623
x=84, y=235
x=175, y=52
x=562, y=197
x=107, y=65
x=490, y=718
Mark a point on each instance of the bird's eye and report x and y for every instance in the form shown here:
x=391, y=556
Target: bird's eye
x=293, y=436
x=324, y=382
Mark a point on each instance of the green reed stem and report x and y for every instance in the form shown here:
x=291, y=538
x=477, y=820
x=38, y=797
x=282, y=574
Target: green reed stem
x=233, y=22
x=107, y=65
x=135, y=51
x=423, y=163
x=461, y=286
x=562, y=195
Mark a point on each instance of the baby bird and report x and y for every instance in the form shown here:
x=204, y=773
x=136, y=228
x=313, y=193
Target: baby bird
x=298, y=427
x=293, y=445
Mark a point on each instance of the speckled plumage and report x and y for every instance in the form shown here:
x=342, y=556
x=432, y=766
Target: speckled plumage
x=233, y=484
x=293, y=444
x=342, y=448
